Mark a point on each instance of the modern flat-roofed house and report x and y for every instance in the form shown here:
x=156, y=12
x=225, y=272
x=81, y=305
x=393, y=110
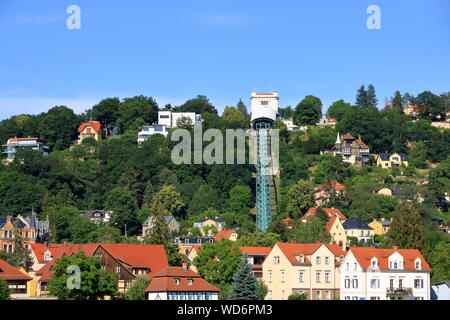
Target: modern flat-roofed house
x=16, y=279
x=170, y=119
x=440, y=290
x=303, y=268
x=358, y=229
x=90, y=129
x=392, y=160
x=289, y=122
x=180, y=283
x=147, y=131
x=255, y=259
x=352, y=150
x=14, y=144
x=384, y=274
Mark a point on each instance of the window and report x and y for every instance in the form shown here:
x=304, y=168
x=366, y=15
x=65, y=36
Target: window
x=347, y=283
x=117, y=269
x=400, y=283
x=391, y=284
x=317, y=276
x=282, y=294
x=128, y=284
x=355, y=297
x=355, y=283
x=347, y=298
x=189, y=282
x=176, y=281
x=374, y=298
x=318, y=295
x=301, y=276
x=282, y=276
x=348, y=266
x=355, y=266
x=276, y=260
x=264, y=103
x=327, y=260
x=418, y=283
x=270, y=294
x=374, y=263
x=374, y=283
x=47, y=257
x=317, y=260
x=418, y=264
x=328, y=295
x=327, y=277
x=302, y=259
x=270, y=276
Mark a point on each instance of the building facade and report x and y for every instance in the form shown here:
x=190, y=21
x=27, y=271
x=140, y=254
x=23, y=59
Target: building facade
x=392, y=160
x=147, y=131
x=14, y=144
x=358, y=229
x=90, y=129
x=170, y=119
x=295, y=268
x=380, y=227
x=352, y=150
x=172, y=224
x=384, y=274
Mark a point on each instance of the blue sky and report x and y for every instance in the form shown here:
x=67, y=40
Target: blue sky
x=173, y=50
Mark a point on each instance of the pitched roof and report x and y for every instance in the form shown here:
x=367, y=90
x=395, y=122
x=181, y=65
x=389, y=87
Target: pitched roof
x=362, y=144
x=331, y=185
x=224, y=234
x=8, y=272
x=331, y=212
x=364, y=255
x=39, y=250
x=263, y=251
x=330, y=223
x=385, y=156
x=348, y=136
x=206, y=219
x=164, y=281
x=293, y=250
x=356, y=224
x=94, y=124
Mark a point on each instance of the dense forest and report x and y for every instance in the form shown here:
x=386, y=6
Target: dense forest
x=118, y=175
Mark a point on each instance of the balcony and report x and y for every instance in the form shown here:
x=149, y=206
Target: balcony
x=399, y=291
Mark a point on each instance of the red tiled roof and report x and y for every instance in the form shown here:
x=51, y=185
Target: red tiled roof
x=293, y=250
x=8, y=272
x=330, y=223
x=331, y=185
x=94, y=124
x=331, y=212
x=348, y=136
x=46, y=271
x=364, y=256
x=362, y=144
x=23, y=139
x=256, y=250
x=39, y=250
x=224, y=234
x=164, y=281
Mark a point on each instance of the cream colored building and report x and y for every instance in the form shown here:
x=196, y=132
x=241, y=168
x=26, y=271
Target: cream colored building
x=295, y=268
x=337, y=231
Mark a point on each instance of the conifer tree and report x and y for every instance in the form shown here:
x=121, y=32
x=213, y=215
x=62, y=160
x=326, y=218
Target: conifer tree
x=159, y=233
x=371, y=96
x=244, y=283
x=4, y=290
x=407, y=230
x=361, y=97
x=397, y=101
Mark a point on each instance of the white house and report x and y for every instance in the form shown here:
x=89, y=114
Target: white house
x=440, y=290
x=147, y=131
x=180, y=283
x=169, y=118
x=358, y=229
x=384, y=274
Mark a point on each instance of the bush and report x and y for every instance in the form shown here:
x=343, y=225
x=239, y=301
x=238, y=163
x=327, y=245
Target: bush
x=298, y=296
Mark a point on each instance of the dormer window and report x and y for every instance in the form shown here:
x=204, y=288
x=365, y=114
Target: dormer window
x=47, y=257
x=176, y=281
x=374, y=263
x=418, y=264
x=342, y=259
x=189, y=282
x=301, y=258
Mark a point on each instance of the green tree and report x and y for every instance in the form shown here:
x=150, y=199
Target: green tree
x=418, y=155
x=244, y=283
x=298, y=296
x=361, y=97
x=95, y=282
x=372, y=100
x=407, y=230
x=137, y=291
x=21, y=255
x=338, y=109
x=170, y=199
x=198, y=105
x=123, y=204
x=308, y=111
x=217, y=262
x=440, y=262
x=300, y=199
x=259, y=239
x=397, y=101
x=4, y=290
x=159, y=233
x=136, y=111
x=106, y=112
x=313, y=230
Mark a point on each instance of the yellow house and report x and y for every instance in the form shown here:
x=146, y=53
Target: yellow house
x=298, y=268
x=392, y=160
x=384, y=191
x=337, y=231
x=91, y=129
x=380, y=227
x=214, y=223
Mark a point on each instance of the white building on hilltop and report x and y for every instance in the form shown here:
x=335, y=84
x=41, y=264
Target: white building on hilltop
x=170, y=119
x=384, y=274
x=264, y=105
x=147, y=131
